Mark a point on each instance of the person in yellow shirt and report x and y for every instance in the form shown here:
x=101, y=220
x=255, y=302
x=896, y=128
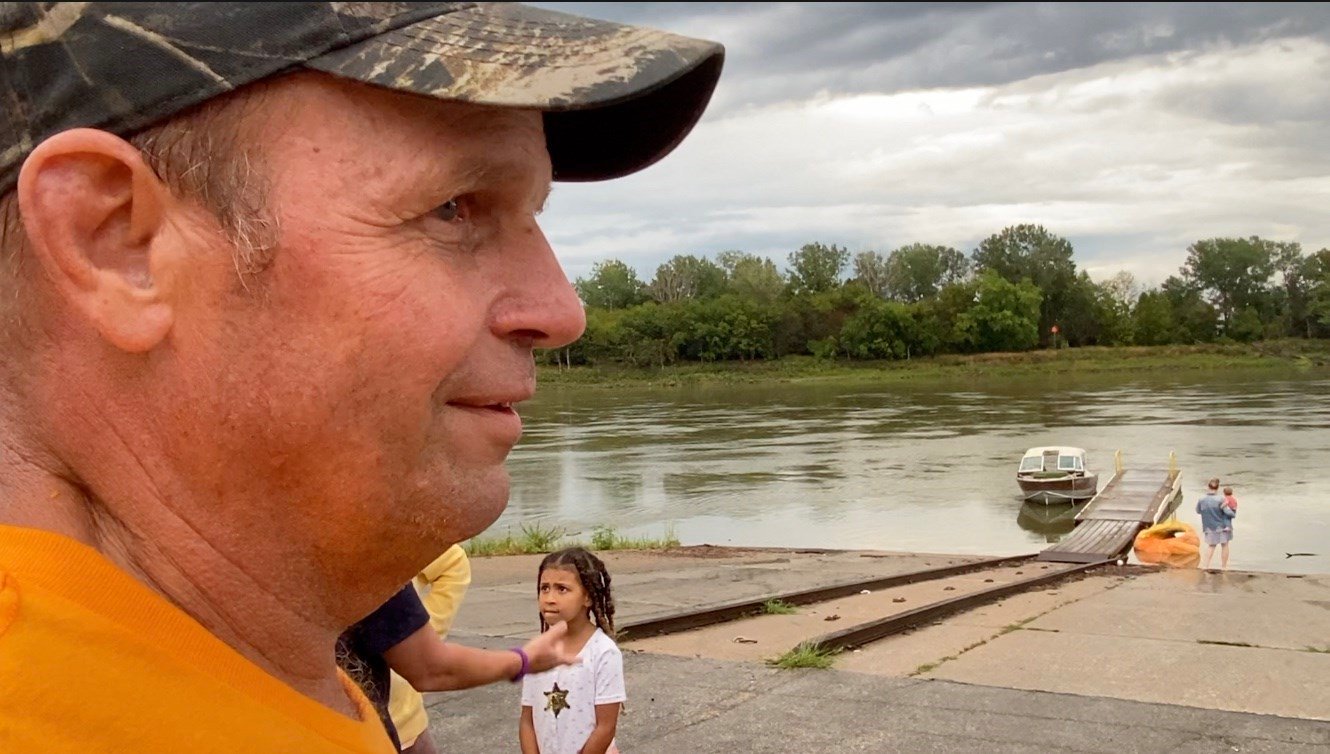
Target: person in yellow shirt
x=398, y=637
x=271, y=283
x=441, y=585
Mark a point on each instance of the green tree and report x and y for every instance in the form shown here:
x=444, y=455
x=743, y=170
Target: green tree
x=816, y=268
x=650, y=334
x=817, y=318
x=1316, y=274
x=1153, y=319
x=1098, y=314
x=1233, y=273
x=1246, y=326
x=750, y=276
x=686, y=277
x=1195, y=320
x=1078, y=322
x=870, y=269
x=1294, y=299
x=935, y=319
x=728, y=327
x=1114, y=300
x=878, y=330
x=918, y=271
x=1122, y=289
x=600, y=341
x=1030, y=252
x=611, y=285
x=1003, y=317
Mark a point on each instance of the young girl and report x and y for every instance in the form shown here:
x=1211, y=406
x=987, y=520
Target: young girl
x=574, y=709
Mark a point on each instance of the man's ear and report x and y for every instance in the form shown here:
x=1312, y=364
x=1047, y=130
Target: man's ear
x=91, y=209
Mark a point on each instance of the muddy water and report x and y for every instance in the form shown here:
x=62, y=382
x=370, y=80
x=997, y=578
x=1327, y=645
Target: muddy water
x=925, y=468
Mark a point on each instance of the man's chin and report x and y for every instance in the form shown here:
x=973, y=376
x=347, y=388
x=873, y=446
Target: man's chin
x=484, y=502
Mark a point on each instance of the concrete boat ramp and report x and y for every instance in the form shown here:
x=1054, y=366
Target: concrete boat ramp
x=1110, y=660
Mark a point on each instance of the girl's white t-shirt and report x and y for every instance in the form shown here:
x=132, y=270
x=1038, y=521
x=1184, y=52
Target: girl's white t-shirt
x=563, y=700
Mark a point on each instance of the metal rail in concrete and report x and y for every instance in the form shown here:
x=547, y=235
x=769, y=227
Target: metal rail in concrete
x=864, y=633
x=683, y=621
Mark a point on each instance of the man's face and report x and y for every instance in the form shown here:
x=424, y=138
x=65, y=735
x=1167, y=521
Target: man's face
x=365, y=380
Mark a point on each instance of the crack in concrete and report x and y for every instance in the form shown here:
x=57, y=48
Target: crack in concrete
x=929, y=667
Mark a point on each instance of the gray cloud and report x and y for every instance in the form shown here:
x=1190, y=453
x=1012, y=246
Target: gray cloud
x=1131, y=129
x=783, y=51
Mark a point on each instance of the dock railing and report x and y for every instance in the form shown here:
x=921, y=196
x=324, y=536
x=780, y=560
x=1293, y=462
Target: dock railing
x=1117, y=461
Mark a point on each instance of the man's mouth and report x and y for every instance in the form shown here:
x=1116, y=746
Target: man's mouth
x=498, y=400
x=498, y=418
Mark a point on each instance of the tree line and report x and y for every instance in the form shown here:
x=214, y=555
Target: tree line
x=1019, y=289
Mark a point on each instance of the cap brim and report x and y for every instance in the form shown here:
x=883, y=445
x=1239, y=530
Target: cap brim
x=616, y=98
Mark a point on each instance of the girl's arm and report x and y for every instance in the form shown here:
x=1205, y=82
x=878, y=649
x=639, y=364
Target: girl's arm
x=607, y=721
x=526, y=732
x=430, y=664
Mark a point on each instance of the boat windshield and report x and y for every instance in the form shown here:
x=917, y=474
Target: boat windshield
x=1032, y=463
x=1069, y=463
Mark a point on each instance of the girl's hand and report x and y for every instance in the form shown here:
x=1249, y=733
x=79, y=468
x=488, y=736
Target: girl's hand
x=550, y=649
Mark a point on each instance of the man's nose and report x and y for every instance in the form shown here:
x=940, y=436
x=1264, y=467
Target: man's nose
x=539, y=305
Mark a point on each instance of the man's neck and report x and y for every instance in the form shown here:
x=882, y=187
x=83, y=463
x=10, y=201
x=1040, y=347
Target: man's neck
x=260, y=621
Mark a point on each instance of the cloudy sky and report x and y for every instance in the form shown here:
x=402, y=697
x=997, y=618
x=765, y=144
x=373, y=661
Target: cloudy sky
x=1131, y=129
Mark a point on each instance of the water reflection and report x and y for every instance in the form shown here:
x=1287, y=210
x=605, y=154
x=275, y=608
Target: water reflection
x=1052, y=522
x=917, y=467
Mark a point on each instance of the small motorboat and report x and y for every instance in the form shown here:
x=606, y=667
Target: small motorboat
x=1056, y=475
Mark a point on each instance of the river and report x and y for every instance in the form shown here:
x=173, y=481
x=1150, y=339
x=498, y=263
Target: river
x=919, y=467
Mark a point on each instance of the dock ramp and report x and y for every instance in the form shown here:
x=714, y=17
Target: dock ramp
x=1132, y=500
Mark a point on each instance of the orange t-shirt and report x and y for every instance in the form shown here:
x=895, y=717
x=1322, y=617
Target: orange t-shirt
x=92, y=660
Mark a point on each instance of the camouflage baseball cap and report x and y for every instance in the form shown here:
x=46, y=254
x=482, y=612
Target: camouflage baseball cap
x=616, y=98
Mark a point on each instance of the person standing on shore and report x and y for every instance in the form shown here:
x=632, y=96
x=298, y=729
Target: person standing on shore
x=1216, y=524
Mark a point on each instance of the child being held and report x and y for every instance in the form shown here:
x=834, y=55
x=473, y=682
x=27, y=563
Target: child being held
x=575, y=708
x=1229, y=500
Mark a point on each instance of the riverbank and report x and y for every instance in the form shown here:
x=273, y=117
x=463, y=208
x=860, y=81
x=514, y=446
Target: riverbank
x=1282, y=354
x=1126, y=659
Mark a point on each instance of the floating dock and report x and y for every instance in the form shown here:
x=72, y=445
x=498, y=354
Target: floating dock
x=1132, y=500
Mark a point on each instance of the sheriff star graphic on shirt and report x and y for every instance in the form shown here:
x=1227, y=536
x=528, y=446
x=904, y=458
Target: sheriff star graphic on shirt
x=556, y=700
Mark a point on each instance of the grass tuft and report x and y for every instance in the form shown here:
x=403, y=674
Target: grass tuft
x=1320, y=650
x=776, y=607
x=534, y=538
x=606, y=538
x=806, y=655
x=538, y=538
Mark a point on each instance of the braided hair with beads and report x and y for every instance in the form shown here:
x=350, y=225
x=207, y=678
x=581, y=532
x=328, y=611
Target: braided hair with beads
x=595, y=580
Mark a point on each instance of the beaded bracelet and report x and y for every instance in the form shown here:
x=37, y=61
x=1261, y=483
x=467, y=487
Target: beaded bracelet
x=526, y=664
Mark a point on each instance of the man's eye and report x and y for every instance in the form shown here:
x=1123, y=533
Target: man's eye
x=448, y=211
